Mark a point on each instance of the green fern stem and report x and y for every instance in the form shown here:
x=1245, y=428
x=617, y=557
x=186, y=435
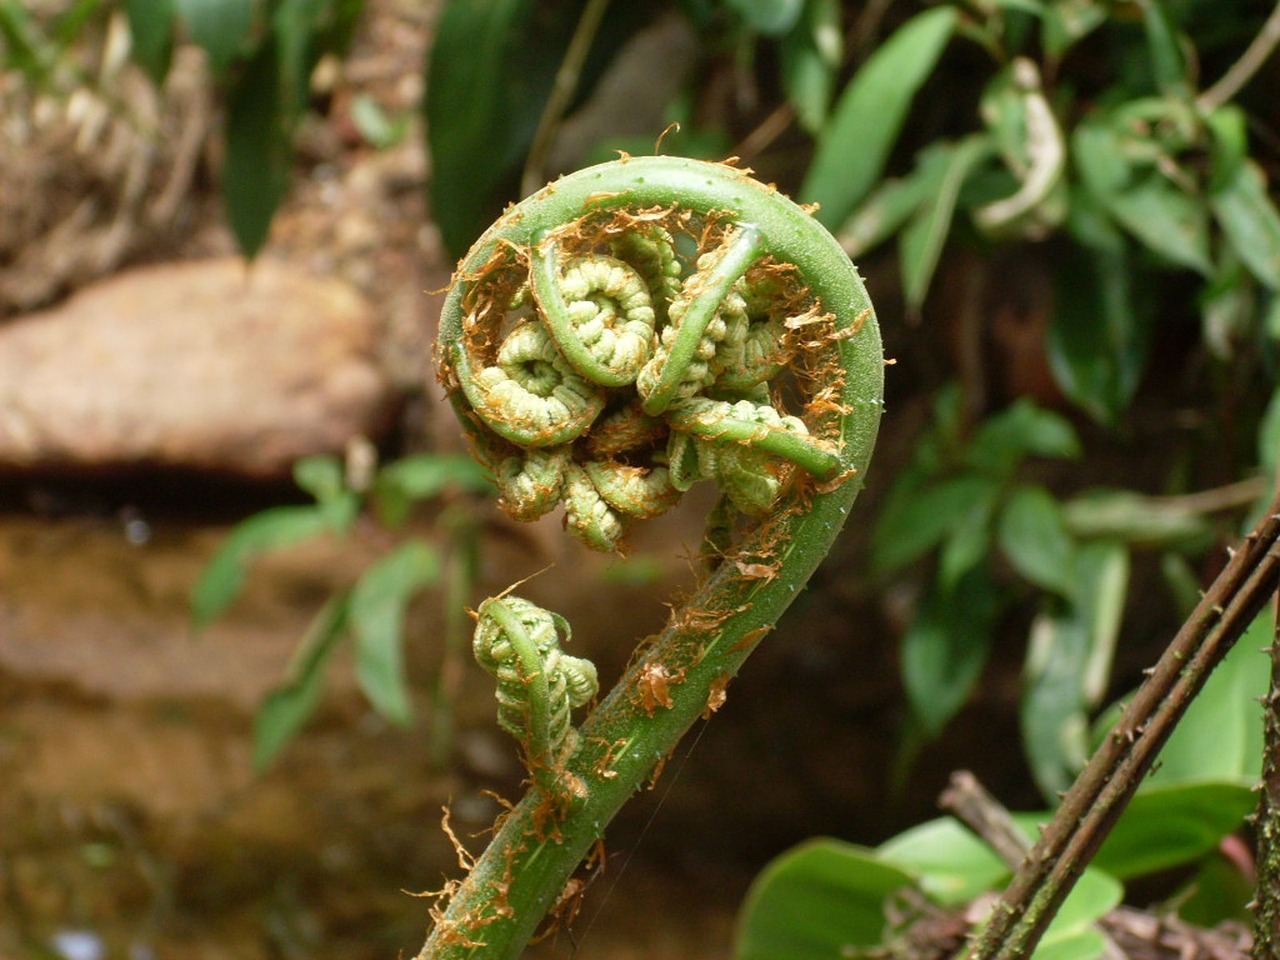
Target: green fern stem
x=684, y=670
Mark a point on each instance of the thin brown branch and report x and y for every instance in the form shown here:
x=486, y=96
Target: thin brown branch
x=985, y=816
x=1242, y=71
x=1100, y=794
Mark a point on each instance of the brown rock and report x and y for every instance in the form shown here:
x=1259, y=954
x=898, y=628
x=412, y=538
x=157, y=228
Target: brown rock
x=206, y=365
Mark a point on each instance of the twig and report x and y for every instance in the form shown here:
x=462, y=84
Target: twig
x=986, y=816
x=566, y=83
x=1100, y=794
x=1242, y=71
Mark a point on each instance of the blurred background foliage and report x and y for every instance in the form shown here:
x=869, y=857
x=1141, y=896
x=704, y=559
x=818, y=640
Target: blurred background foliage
x=1067, y=213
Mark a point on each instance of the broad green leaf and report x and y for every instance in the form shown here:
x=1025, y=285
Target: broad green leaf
x=223, y=575
x=1146, y=522
x=1169, y=826
x=1248, y=217
x=1003, y=441
x=810, y=56
x=869, y=114
x=1054, y=727
x=1033, y=536
x=921, y=241
x=946, y=648
x=1115, y=166
x=1099, y=336
x=377, y=609
x=1071, y=935
x=1229, y=128
x=1220, y=736
x=222, y=28
x=255, y=175
x=1067, y=21
x=817, y=901
x=1219, y=891
x=919, y=516
x=952, y=865
x=773, y=18
x=288, y=706
x=151, y=35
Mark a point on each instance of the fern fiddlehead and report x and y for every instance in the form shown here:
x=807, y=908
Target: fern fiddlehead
x=762, y=372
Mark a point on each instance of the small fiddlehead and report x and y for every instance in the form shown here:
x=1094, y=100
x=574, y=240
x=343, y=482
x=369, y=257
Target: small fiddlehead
x=762, y=373
x=518, y=643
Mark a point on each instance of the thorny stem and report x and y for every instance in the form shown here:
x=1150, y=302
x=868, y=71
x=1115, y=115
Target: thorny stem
x=1266, y=901
x=620, y=745
x=1101, y=792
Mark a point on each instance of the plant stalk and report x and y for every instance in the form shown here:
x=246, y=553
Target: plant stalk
x=1101, y=792
x=622, y=744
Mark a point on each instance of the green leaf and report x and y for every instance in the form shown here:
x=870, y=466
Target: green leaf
x=377, y=609
x=424, y=476
x=1166, y=47
x=1101, y=587
x=869, y=114
x=1072, y=935
x=1219, y=891
x=810, y=56
x=223, y=575
x=1099, y=336
x=222, y=28
x=773, y=18
x=1248, y=217
x=1170, y=826
x=376, y=126
x=918, y=516
x=969, y=541
x=1065, y=22
x=151, y=35
x=295, y=25
x=288, y=707
x=1118, y=168
x=23, y=49
x=1054, y=727
x=921, y=242
x=321, y=476
x=1140, y=521
x=890, y=205
x=817, y=901
x=1033, y=536
x=946, y=648
x=255, y=175
x=952, y=864
x=1003, y=441
x=1220, y=736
